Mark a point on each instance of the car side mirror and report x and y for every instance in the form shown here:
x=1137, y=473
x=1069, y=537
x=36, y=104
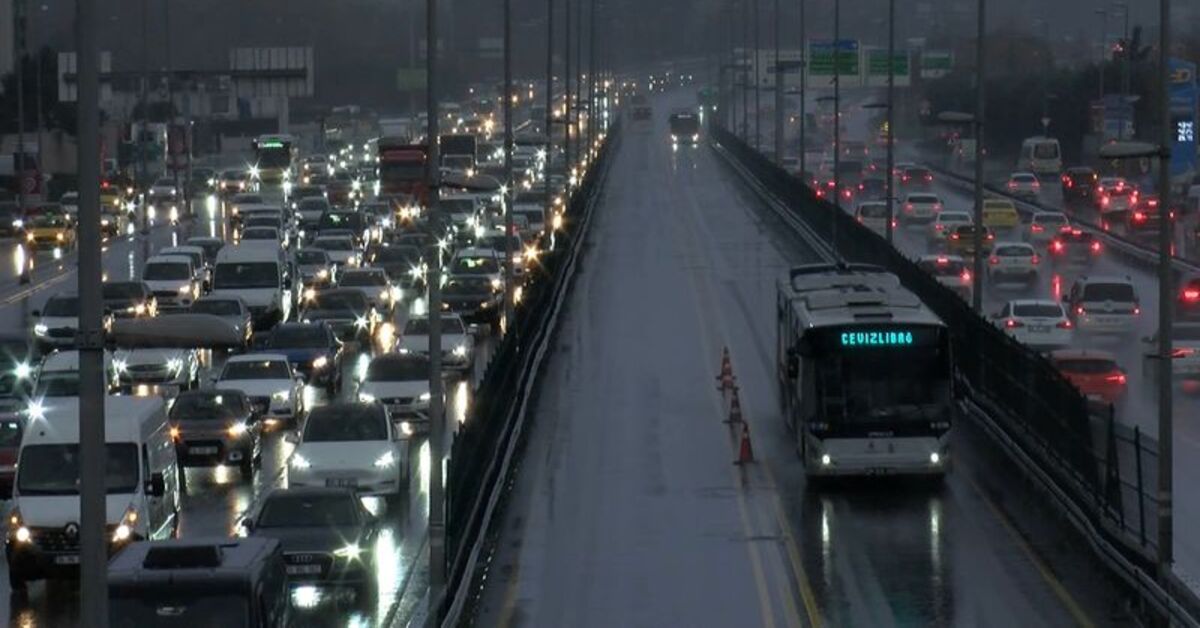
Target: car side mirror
x=157, y=486
x=36, y=313
x=246, y=524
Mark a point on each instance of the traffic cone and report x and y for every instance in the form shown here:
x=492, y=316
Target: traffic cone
x=735, y=409
x=745, y=451
x=726, y=377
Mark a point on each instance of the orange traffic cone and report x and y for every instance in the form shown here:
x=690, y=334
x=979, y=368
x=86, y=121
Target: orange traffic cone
x=726, y=377
x=745, y=451
x=735, y=408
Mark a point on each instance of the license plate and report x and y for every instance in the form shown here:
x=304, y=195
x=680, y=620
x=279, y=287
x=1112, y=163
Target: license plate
x=341, y=482
x=1041, y=329
x=202, y=451
x=67, y=559
x=303, y=570
x=880, y=471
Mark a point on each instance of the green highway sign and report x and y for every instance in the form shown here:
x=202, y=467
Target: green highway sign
x=822, y=55
x=936, y=63
x=877, y=63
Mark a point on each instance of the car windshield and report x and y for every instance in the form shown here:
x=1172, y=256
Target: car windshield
x=166, y=271
x=396, y=255
x=299, y=337
x=217, y=307
x=1024, y=178
x=1050, y=219
x=65, y=384
x=255, y=369
x=398, y=369
x=1120, y=292
x=1013, y=251
x=475, y=266
x=420, y=326
x=284, y=510
x=339, y=301
x=62, y=306
x=210, y=406
x=1038, y=310
x=357, y=279
x=123, y=290
x=310, y=257
x=947, y=217
x=235, y=275
x=333, y=244
x=54, y=469
x=1086, y=366
x=1045, y=151
x=468, y=285
x=457, y=205
x=922, y=198
x=314, y=203
x=260, y=233
x=344, y=423
x=48, y=220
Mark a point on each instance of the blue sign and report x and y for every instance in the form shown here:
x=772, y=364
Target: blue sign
x=882, y=338
x=1183, y=94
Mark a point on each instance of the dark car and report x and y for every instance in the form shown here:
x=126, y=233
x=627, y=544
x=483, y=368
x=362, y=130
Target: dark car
x=1079, y=183
x=12, y=427
x=214, y=427
x=347, y=312
x=129, y=299
x=11, y=220
x=202, y=181
x=1187, y=305
x=328, y=536
x=916, y=176
x=1075, y=246
x=872, y=188
x=402, y=263
x=472, y=297
x=312, y=348
x=1145, y=219
x=349, y=220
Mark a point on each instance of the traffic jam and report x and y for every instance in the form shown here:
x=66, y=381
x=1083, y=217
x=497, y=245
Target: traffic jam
x=1050, y=279
x=267, y=361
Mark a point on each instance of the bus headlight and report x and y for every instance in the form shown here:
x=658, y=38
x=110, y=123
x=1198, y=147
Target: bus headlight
x=935, y=458
x=826, y=460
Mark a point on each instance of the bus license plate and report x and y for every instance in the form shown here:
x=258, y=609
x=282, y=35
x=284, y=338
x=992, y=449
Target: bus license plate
x=880, y=471
x=67, y=559
x=341, y=482
x=303, y=570
x=202, y=451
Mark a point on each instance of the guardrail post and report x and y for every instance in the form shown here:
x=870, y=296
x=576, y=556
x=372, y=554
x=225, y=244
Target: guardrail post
x=1112, y=485
x=1137, y=448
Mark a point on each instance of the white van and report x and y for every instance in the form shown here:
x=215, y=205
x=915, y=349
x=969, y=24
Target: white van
x=143, y=501
x=256, y=275
x=1041, y=156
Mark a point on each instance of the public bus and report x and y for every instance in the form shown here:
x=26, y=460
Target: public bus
x=864, y=371
x=402, y=168
x=274, y=157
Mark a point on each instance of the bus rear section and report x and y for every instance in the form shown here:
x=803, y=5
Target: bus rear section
x=685, y=128
x=865, y=377
x=402, y=169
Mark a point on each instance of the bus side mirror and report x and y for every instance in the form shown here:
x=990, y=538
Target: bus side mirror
x=793, y=364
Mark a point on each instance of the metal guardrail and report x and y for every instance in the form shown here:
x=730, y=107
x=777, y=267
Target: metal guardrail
x=485, y=445
x=1029, y=408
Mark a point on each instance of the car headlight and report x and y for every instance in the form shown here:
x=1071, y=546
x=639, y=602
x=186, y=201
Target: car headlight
x=40, y=329
x=185, y=289
x=323, y=273
x=282, y=395
x=120, y=366
x=366, y=397
x=23, y=370
x=18, y=223
x=237, y=429
x=23, y=535
x=320, y=363
x=124, y=529
x=496, y=283
x=349, y=552
x=175, y=365
x=386, y=461
x=300, y=462
x=460, y=351
x=385, y=294
x=360, y=322
x=425, y=396
x=406, y=428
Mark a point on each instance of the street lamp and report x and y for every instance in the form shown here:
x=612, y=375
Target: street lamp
x=980, y=91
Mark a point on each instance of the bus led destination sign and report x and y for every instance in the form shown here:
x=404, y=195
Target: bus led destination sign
x=881, y=338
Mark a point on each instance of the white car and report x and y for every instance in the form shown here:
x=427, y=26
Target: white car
x=162, y=191
x=458, y=344
x=1024, y=185
x=172, y=279
x=1103, y=304
x=1038, y=323
x=1011, y=260
x=70, y=203
x=275, y=391
x=950, y=271
x=340, y=248
x=165, y=371
x=401, y=383
x=873, y=215
x=262, y=236
x=374, y=283
x=195, y=255
x=921, y=207
x=57, y=322
x=1045, y=226
x=945, y=224
x=350, y=445
x=477, y=262
x=232, y=310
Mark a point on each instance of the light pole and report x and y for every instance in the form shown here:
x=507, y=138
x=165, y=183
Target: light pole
x=437, y=428
x=891, y=108
x=1103, y=46
x=837, y=121
x=508, y=190
x=745, y=131
x=1166, y=295
x=803, y=92
x=93, y=553
x=548, y=204
x=778, y=93
x=567, y=95
x=19, y=55
x=980, y=95
x=757, y=83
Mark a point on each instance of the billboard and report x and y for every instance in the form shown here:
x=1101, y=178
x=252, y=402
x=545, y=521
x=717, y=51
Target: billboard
x=1183, y=118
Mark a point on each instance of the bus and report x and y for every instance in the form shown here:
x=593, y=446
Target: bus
x=274, y=156
x=402, y=168
x=685, y=128
x=864, y=372
x=1041, y=156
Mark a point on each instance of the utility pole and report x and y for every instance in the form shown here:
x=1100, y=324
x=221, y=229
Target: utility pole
x=139, y=138
x=803, y=92
x=745, y=71
x=837, y=123
x=579, y=85
x=891, y=108
x=778, y=93
x=509, y=184
x=19, y=56
x=567, y=121
x=977, y=232
x=1126, y=53
x=548, y=203
x=593, y=117
x=757, y=83
x=1166, y=297
x=1103, y=46
x=437, y=426
x=93, y=519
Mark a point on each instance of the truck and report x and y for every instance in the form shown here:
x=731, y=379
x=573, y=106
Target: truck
x=402, y=168
x=458, y=151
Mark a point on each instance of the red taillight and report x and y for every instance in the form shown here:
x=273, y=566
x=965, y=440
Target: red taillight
x=1064, y=325
x=1136, y=310
x=929, y=177
x=1012, y=185
x=1012, y=323
x=1079, y=310
x=861, y=187
x=1036, y=228
x=1056, y=246
x=937, y=207
x=993, y=260
x=1096, y=246
x=846, y=193
x=1104, y=201
x=1117, y=378
x=1037, y=184
x=953, y=236
x=991, y=236
x=1191, y=295
x=904, y=179
x=966, y=275
x=908, y=207
x=104, y=184
x=893, y=223
x=1182, y=353
x=1035, y=259
x=1139, y=217
x=829, y=184
x=938, y=226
